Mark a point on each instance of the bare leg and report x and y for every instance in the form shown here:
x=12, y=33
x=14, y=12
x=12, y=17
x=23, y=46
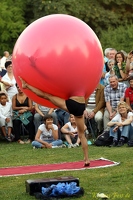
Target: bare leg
x=80, y=127
x=9, y=131
x=57, y=101
x=78, y=141
x=68, y=139
x=3, y=130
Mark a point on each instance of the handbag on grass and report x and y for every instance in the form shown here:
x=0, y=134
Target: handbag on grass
x=22, y=117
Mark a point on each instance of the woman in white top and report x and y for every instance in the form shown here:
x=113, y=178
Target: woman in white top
x=121, y=125
x=9, y=80
x=47, y=134
x=71, y=133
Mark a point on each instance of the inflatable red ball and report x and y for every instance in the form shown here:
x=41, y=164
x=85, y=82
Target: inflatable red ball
x=60, y=55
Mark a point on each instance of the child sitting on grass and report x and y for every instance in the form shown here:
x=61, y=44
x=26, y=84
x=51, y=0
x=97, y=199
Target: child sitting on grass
x=5, y=117
x=71, y=134
x=47, y=134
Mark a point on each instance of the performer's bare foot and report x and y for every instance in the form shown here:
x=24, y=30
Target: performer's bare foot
x=86, y=164
x=24, y=84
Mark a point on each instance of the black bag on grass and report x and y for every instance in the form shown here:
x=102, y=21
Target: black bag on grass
x=130, y=143
x=104, y=139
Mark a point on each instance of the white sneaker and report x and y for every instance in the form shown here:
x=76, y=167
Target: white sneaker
x=64, y=146
x=61, y=146
x=70, y=146
x=53, y=147
x=76, y=145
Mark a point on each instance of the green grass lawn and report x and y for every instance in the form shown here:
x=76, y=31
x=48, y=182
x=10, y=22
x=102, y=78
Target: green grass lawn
x=116, y=182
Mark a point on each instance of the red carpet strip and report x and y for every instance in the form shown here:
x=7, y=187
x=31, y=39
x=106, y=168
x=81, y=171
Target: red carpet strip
x=67, y=166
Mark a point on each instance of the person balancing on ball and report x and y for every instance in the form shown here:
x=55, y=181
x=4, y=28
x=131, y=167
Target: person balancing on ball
x=74, y=105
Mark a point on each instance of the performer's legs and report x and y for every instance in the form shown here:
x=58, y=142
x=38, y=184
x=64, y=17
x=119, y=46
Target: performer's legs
x=80, y=127
x=57, y=101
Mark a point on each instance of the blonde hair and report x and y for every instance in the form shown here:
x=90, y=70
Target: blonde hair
x=122, y=103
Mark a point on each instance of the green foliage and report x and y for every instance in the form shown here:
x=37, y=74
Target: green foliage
x=12, y=23
x=120, y=38
x=101, y=15
x=105, y=17
x=97, y=14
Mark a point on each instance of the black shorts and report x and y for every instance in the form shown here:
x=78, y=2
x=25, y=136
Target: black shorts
x=74, y=107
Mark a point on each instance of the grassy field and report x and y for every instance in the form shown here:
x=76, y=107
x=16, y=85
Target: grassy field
x=116, y=182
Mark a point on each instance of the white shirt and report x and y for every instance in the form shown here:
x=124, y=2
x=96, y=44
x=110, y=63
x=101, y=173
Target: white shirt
x=6, y=111
x=71, y=128
x=13, y=89
x=117, y=118
x=43, y=108
x=2, y=63
x=46, y=134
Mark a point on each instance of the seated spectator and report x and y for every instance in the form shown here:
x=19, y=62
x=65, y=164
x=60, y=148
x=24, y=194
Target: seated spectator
x=4, y=85
x=47, y=134
x=129, y=62
x=40, y=112
x=114, y=92
x=2, y=63
x=21, y=104
x=70, y=131
x=120, y=125
x=110, y=64
x=9, y=80
x=120, y=67
x=103, y=75
x=95, y=107
x=6, y=117
x=109, y=54
x=129, y=94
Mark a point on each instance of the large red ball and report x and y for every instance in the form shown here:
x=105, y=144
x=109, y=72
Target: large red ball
x=59, y=54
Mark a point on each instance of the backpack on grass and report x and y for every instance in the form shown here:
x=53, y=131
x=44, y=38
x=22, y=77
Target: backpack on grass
x=104, y=139
x=130, y=143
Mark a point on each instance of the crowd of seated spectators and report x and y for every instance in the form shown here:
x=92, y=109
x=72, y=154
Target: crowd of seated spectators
x=115, y=86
